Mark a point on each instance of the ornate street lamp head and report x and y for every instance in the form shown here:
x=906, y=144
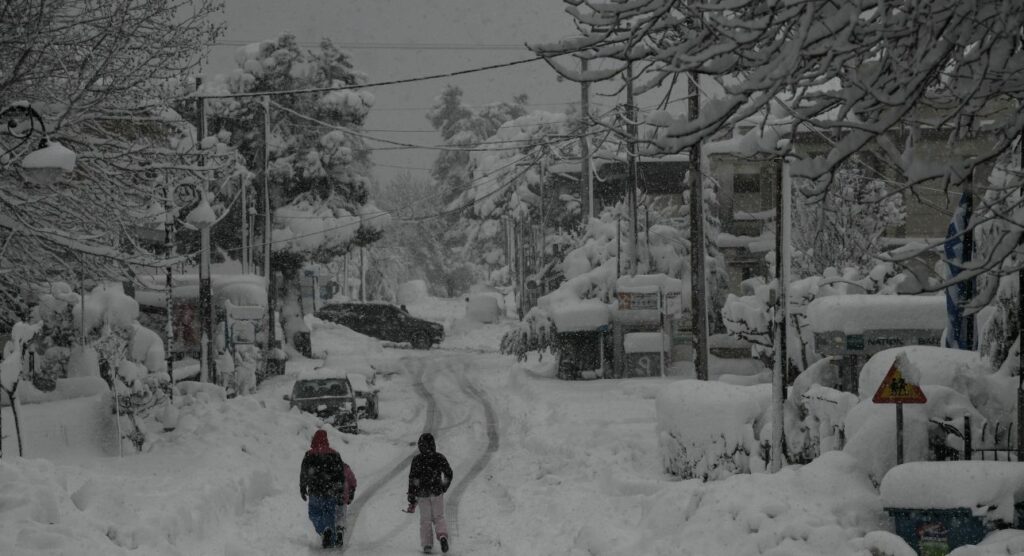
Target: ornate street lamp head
x=49, y=163
x=45, y=165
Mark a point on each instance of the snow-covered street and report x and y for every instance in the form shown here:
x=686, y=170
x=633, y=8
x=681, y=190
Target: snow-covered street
x=542, y=466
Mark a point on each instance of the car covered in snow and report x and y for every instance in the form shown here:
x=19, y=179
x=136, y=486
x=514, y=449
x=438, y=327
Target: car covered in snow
x=384, y=322
x=328, y=395
x=367, y=395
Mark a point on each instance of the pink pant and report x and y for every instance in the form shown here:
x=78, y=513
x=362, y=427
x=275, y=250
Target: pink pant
x=432, y=512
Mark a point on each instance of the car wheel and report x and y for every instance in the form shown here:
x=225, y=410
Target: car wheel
x=420, y=341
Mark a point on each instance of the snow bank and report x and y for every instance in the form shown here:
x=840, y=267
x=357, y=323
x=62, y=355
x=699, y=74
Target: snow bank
x=708, y=429
x=988, y=488
x=855, y=313
x=825, y=507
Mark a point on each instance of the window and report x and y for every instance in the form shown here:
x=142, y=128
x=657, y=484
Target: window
x=746, y=183
x=746, y=190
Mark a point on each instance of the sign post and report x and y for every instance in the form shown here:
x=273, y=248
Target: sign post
x=895, y=389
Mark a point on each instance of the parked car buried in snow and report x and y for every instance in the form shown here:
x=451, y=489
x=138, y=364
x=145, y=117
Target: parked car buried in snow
x=367, y=403
x=385, y=322
x=328, y=396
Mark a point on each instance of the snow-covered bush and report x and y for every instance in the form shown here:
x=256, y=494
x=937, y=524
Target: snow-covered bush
x=816, y=412
x=955, y=382
x=751, y=316
x=127, y=356
x=710, y=430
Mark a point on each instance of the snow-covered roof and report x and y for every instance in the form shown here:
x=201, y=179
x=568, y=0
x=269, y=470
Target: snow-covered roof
x=587, y=314
x=853, y=314
x=977, y=485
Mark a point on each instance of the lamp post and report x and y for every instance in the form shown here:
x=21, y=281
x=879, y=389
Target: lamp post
x=50, y=161
x=44, y=166
x=202, y=218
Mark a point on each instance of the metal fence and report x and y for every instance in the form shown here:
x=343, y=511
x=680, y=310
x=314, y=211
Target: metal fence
x=995, y=442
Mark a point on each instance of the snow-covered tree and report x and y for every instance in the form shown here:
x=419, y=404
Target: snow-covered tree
x=844, y=227
x=318, y=168
x=413, y=246
x=101, y=75
x=466, y=127
x=751, y=316
x=866, y=75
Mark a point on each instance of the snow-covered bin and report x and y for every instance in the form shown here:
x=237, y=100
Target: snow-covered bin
x=483, y=308
x=645, y=353
x=708, y=430
x=938, y=506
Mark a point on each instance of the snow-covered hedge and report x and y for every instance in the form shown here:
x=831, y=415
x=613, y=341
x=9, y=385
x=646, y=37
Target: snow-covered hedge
x=709, y=430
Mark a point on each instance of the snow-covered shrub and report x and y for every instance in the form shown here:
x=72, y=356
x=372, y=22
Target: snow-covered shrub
x=955, y=382
x=709, y=430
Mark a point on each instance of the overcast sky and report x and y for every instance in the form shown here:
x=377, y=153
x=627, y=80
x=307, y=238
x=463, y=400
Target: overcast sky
x=486, y=31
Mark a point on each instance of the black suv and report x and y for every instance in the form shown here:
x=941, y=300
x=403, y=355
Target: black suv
x=385, y=322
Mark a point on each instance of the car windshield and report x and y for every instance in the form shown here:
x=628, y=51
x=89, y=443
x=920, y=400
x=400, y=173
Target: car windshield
x=321, y=388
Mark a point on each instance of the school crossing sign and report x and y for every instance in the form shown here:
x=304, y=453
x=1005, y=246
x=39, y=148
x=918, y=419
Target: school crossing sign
x=896, y=389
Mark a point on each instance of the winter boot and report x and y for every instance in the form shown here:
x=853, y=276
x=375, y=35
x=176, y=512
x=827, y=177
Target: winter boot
x=328, y=540
x=444, y=544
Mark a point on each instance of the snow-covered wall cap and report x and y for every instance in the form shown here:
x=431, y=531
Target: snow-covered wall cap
x=587, y=314
x=976, y=485
x=644, y=342
x=663, y=281
x=853, y=314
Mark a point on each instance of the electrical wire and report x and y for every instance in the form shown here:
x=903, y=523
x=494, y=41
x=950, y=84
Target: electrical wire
x=367, y=85
x=520, y=143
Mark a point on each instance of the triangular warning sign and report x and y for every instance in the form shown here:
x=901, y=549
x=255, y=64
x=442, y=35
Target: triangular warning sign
x=895, y=389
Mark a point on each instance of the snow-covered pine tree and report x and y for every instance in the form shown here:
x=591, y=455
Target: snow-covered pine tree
x=462, y=128
x=318, y=166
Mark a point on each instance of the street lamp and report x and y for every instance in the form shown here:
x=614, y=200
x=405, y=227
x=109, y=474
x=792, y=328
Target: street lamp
x=51, y=160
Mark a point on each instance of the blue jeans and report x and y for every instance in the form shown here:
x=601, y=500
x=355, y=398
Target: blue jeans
x=322, y=512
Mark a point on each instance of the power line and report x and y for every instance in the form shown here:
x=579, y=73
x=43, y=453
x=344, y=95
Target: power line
x=365, y=85
x=519, y=143
x=392, y=45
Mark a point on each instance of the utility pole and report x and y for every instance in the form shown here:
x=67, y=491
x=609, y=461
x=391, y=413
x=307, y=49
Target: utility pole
x=781, y=321
x=633, y=180
x=362, y=274
x=268, y=225
x=169, y=220
x=207, y=365
x=543, y=230
x=586, y=179
x=698, y=283
x=245, y=227
x=1020, y=338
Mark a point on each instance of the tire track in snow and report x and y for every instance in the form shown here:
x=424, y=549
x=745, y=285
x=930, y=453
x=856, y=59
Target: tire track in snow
x=431, y=422
x=491, y=422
